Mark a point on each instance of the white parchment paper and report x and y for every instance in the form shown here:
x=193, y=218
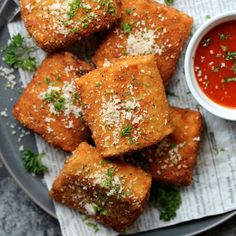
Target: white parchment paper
x=214, y=187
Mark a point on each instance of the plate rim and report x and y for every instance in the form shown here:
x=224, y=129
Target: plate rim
x=51, y=211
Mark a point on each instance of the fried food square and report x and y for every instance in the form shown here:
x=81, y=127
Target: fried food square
x=172, y=160
x=114, y=194
x=125, y=105
x=50, y=104
x=56, y=24
x=147, y=27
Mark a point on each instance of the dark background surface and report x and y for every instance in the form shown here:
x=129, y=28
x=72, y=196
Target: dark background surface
x=19, y=216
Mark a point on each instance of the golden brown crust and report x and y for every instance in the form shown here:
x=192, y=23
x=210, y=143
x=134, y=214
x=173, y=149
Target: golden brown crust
x=172, y=160
x=114, y=194
x=125, y=105
x=55, y=25
x=65, y=128
x=165, y=29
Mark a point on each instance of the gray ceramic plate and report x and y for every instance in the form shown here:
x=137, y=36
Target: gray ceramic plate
x=34, y=187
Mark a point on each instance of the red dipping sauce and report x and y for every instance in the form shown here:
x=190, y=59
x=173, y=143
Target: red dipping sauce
x=215, y=64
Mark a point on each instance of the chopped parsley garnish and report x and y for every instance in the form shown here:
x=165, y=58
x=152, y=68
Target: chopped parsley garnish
x=128, y=11
x=167, y=199
x=205, y=42
x=47, y=80
x=233, y=67
x=227, y=80
x=56, y=99
x=171, y=93
x=223, y=36
x=50, y=97
x=224, y=48
x=126, y=131
x=112, y=10
x=74, y=6
x=65, y=23
x=59, y=104
x=173, y=145
x=85, y=24
x=231, y=56
x=169, y=2
x=107, y=181
x=75, y=30
x=91, y=224
x=33, y=162
x=126, y=27
x=104, y=162
x=126, y=193
x=76, y=96
x=109, y=5
x=215, y=69
x=111, y=171
x=18, y=54
x=98, y=84
x=132, y=141
x=99, y=210
x=159, y=27
x=208, y=17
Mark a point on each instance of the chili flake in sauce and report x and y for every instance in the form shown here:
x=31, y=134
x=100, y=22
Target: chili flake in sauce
x=215, y=64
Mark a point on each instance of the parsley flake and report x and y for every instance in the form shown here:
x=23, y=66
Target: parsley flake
x=126, y=27
x=111, y=171
x=171, y=93
x=99, y=210
x=128, y=11
x=223, y=36
x=59, y=104
x=228, y=80
x=74, y=6
x=205, y=42
x=93, y=226
x=47, y=80
x=231, y=56
x=233, y=67
x=126, y=131
x=224, y=48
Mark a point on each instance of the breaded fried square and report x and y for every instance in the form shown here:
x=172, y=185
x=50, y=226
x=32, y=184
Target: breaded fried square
x=172, y=160
x=114, y=194
x=146, y=27
x=56, y=24
x=50, y=104
x=125, y=105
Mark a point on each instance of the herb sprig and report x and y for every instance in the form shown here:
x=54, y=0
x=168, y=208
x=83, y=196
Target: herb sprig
x=19, y=55
x=167, y=199
x=33, y=162
x=169, y=2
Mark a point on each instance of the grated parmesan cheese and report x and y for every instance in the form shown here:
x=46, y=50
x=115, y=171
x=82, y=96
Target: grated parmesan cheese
x=143, y=42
